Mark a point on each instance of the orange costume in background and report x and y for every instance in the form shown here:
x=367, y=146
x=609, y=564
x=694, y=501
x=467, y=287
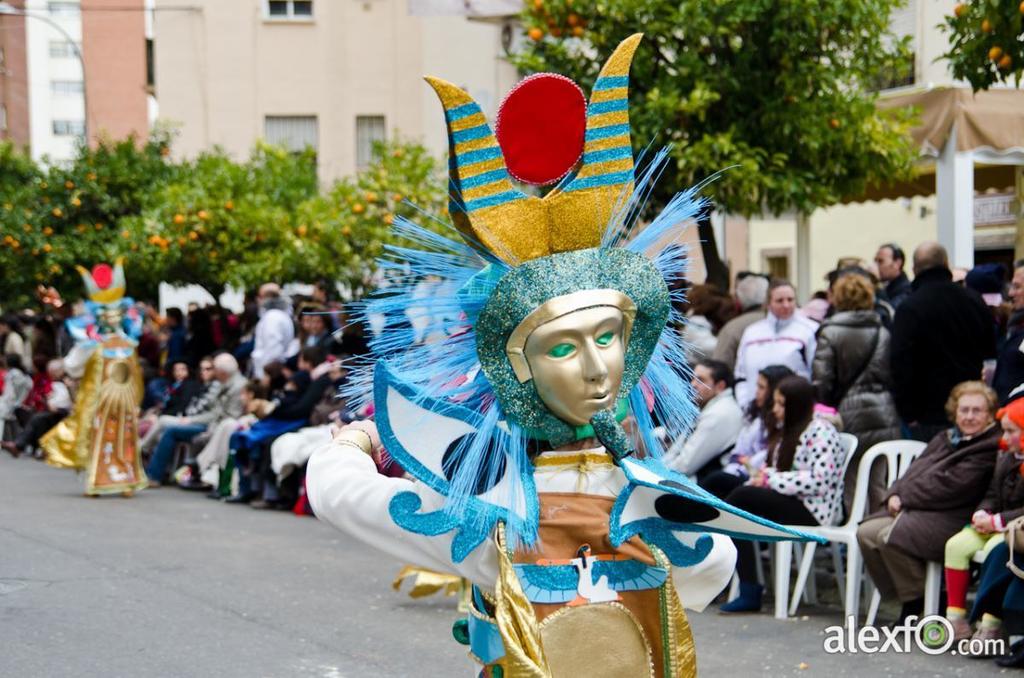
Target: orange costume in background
x=101, y=435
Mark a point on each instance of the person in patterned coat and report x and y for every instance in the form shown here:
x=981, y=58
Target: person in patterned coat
x=801, y=483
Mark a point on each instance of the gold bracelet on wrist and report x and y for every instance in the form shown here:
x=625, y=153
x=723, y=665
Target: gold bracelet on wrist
x=353, y=444
x=345, y=438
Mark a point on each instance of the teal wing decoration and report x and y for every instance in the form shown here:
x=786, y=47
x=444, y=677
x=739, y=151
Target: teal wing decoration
x=426, y=436
x=669, y=510
x=630, y=575
x=548, y=583
x=558, y=583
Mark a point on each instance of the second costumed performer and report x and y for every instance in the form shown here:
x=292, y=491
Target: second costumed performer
x=529, y=430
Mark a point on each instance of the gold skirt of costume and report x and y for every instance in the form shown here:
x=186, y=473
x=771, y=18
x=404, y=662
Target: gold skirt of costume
x=100, y=436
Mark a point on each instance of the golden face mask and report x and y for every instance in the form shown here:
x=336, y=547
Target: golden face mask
x=110, y=319
x=576, y=362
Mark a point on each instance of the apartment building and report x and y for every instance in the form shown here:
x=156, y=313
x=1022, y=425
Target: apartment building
x=334, y=75
x=68, y=69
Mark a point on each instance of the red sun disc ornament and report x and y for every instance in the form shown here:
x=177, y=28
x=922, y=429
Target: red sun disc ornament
x=541, y=127
x=102, y=275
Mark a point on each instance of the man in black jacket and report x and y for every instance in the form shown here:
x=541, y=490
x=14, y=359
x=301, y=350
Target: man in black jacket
x=889, y=260
x=1010, y=367
x=941, y=336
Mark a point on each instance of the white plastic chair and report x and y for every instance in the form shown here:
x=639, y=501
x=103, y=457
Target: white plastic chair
x=784, y=549
x=932, y=590
x=898, y=454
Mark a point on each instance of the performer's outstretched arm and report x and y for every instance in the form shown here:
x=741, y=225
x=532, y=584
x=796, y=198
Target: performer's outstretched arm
x=345, y=489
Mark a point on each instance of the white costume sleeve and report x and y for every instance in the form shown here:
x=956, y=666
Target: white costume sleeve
x=698, y=585
x=345, y=490
x=75, y=360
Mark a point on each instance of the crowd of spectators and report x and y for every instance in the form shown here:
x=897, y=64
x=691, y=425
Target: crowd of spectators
x=938, y=358
x=235, y=403
x=221, y=390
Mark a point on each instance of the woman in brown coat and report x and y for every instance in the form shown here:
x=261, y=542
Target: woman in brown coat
x=934, y=499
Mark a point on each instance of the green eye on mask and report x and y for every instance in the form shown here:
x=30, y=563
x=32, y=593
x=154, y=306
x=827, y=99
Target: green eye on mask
x=605, y=339
x=561, y=350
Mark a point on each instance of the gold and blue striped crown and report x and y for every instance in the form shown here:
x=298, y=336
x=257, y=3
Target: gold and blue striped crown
x=489, y=209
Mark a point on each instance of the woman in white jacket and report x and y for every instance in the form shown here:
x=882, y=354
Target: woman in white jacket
x=784, y=337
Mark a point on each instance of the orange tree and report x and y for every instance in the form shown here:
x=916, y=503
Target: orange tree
x=987, y=42
x=211, y=221
x=52, y=218
x=225, y=223
x=777, y=91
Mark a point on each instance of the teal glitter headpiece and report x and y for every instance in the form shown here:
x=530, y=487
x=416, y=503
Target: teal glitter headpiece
x=526, y=287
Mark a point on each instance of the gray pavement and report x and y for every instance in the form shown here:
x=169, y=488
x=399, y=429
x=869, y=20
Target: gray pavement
x=169, y=583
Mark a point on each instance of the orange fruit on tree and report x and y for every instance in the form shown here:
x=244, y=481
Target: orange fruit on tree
x=179, y=219
x=573, y=20
x=69, y=185
x=47, y=247
x=358, y=208
x=345, y=230
x=833, y=123
x=203, y=214
x=47, y=231
x=126, y=234
x=1006, y=63
x=577, y=31
x=229, y=205
x=302, y=230
x=1021, y=8
x=536, y=34
x=960, y=9
x=57, y=212
x=986, y=26
x=192, y=235
x=995, y=54
x=76, y=202
x=538, y=4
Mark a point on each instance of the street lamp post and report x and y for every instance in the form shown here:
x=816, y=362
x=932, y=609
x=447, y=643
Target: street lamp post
x=8, y=8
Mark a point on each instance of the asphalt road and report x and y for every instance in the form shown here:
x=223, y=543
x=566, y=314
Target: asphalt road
x=169, y=583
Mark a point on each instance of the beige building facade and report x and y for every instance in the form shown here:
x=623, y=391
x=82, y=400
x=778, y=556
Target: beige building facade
x=857, y=229
x=332, y=75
